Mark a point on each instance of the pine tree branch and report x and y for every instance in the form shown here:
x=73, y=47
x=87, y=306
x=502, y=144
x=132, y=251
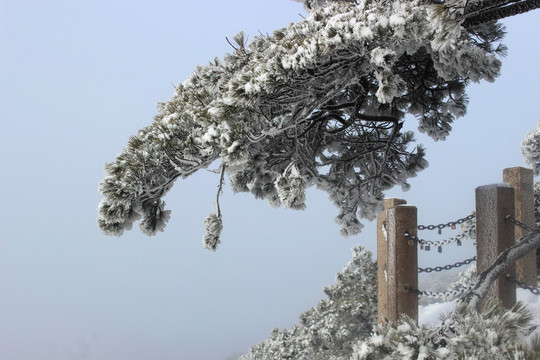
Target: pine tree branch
x=473, y=7
x=500, y=12
x=525, y=245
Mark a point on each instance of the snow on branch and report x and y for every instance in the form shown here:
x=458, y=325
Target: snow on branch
x=328, y=94
x=530, y=149
x=480, y=12
x=525, y=245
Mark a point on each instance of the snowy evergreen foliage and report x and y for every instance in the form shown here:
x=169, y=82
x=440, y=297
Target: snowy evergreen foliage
x=494, y=333
x=328, y=330
x=291, y=188
x=466, y=279
x=530, y=149
x=213, y=226
x=325, y=98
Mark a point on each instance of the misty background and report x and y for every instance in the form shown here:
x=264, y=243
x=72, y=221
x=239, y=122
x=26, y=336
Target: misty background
x=77, y=78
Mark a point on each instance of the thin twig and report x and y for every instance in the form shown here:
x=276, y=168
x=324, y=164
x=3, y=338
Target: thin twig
x=220, y=190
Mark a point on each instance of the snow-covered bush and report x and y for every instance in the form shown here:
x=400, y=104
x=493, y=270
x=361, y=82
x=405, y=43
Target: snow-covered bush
x=494, y=333
x=328, y=330
x=530, y=149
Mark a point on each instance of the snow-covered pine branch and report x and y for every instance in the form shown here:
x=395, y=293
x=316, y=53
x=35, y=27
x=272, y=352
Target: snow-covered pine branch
x=328, y=94
x=482, y=11
x=495, y=333
x=524, y=245
x=530, y=149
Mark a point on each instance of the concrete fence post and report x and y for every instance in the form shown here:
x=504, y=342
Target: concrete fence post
x=521, y=179
x=397, y=261
x=494, y=234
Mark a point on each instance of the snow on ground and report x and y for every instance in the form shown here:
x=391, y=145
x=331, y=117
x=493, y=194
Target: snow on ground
x=430, y=314
x=533, y=303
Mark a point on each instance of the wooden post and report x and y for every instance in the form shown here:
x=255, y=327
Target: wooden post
x=382, y=257
x=494, y=234
x=521, y=179
x=397, y=261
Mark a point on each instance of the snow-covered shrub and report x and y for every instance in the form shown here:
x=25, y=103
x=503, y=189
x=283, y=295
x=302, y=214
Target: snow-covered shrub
x=530, y=149
x=328, y=330
x=494, y=333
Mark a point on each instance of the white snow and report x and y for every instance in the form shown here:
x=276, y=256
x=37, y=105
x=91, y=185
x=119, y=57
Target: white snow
x=396, y=20
x=210, y=134
x=533, y=304
x=430, y=314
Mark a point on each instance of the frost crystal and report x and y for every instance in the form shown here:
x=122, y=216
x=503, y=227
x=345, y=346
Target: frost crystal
x=530, y=149
x=328, y=94
x=155, y=218
x=329, y=330
x=291, y=188
x=212, y=230
x=466, y=334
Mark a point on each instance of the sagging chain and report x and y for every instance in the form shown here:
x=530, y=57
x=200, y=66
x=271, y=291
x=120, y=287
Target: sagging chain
x=532, y=289
x=451, y=224
x=518, y=223
x=447, y=267
x=446, y=295
x=426, y=244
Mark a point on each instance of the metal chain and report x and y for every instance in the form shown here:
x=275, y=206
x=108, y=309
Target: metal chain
x=532, y=289
x=447, y=267
x=426, y=244
x=446, y=295
x=451, y=224
x=518, y=223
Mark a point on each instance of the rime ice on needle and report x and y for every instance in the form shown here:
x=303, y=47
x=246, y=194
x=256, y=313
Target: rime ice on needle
x=328, y=94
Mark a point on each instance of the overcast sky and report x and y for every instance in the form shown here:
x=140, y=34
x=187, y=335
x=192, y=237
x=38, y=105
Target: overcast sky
x=77, y=78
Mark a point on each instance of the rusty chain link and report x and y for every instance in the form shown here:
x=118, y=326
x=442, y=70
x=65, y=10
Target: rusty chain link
x=447, y=267
x=532, y=289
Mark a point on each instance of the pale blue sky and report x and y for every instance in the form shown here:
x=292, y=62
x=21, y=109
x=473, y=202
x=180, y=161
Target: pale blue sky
x=77, y=78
